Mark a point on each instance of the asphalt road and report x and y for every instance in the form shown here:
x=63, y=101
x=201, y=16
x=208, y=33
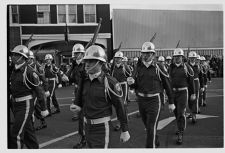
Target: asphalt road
x=61, y=132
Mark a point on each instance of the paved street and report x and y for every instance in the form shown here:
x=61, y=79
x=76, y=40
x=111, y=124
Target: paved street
x=206, y=133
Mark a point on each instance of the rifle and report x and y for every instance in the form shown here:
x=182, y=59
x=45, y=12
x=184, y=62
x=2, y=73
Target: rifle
x=92, y=41
x=178, y=44
x=153, y=37
x=29, y=40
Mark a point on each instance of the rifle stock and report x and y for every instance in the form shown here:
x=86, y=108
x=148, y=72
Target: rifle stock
x=92, y=41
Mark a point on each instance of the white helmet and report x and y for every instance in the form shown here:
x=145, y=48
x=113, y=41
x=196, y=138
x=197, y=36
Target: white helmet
x=48, y=56
x=22, y=50
x=202, y=58
x=178, y=52
x=95, y=52
x=111, y=61
x=161, y=59
x=119, y=54
x=198, y=57
x=135, y=59
x=192, y=54
x=148, y=47
x=31, y=54
x=78, y=48
x=168, y=58
x=125, y=59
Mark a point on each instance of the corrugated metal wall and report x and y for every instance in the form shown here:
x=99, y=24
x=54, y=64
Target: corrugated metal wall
x=194, y=28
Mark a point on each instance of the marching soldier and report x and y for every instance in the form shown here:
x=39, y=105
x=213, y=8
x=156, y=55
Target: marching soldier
x=53, y=77
x=75, y=73
x=198, y=83
x=121, y=72
x=204, y=70
x=24, y=82
x=96, y=94
x=149, y=81
x=181, y=75
x=168, y=61
x=44, y=85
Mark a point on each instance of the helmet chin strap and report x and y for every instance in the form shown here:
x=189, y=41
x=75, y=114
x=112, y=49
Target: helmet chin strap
x=17, y=66
x=88, y=70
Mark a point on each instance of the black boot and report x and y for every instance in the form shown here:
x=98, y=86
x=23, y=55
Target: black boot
x=42, y=126
x=180, y=138
x=194, y=120
x=57, y=110
x=81, y=144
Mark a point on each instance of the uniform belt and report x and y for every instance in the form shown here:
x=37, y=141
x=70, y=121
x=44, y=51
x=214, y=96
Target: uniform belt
x=52, y=79
x=196, y=79
x=123, y=82
x=97, y=121
x=24, y=98
x=147, y=95
x=180, y=89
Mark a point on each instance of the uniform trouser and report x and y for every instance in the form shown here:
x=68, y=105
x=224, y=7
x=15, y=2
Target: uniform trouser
x=149, y=108
x=193, y=104
x=37, y=111
x=23, y=131
x=97, y=135
x=52, y=97
x=81, y=125
x=180, y=102
x=202, y=97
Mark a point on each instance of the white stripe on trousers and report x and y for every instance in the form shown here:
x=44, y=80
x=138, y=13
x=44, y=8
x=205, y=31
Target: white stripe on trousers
x=155, y=128
x=52, y=92
x=106, y=134
x=24, y=121
x=185, y=110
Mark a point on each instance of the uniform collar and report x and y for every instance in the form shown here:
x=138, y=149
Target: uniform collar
x=118, y=65
x=192, y=64
x=147, y=64
x=93, y=76
x=178, y=65
x=78, y=61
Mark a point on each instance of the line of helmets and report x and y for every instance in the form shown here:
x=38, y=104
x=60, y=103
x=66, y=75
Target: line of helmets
x=98, y=53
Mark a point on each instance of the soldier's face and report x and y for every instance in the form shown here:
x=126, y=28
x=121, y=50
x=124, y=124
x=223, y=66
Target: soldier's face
x=177, y=59
x=48, y=61
x=192, y=59
x=168, y=61
x=118, y=60
x=17, y=59
x=78, y=56
x=92, y=66
x=147, y=56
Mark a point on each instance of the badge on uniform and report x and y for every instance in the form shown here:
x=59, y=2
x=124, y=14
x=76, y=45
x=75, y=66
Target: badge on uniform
x=35, y=75
x=118, y=87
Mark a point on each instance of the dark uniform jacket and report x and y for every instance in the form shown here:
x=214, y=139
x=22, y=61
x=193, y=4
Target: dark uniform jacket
x=37, y=68
x=74, y=74
x=182, y=76
x=24, y=82
x=151, y=80
x=197, y=73
x=51, y=71
x=96, y=101
x=121, y=73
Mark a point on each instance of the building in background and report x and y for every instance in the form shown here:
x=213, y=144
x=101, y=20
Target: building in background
x=201, y=31
x=56, y=28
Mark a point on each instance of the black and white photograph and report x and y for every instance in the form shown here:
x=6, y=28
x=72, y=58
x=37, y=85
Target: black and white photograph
x=113, y=75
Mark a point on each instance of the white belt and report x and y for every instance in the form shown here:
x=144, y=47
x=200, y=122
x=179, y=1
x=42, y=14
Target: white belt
x=52, y=79
x=24, y=98
x=97, y=121
x=123, y=82
x=196, y=79
x=147, y=95
x=180, y=89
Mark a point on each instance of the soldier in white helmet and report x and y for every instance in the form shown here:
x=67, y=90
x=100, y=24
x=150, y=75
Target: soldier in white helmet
x=121, y=71
x=198, y=83
x=52, y=74
x=168, y=61
x=149, y=80
x=204, y=70
x=181, y=75
x=24, y=87
x=96, y=94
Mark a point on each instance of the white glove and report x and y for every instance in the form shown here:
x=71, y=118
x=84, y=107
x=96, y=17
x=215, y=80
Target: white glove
x=60, y=86
x=44, y=113
x=47, y=93
x=193, y=97
x=205, y=86
x=202, y=89
x=124, y=136
x=74, y=108
x=171, y=107
x=130, y=80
